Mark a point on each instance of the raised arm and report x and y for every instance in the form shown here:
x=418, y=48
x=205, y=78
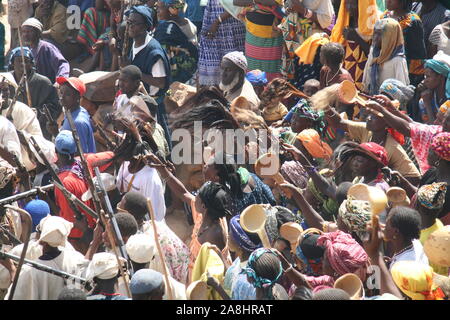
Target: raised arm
x=397, y=123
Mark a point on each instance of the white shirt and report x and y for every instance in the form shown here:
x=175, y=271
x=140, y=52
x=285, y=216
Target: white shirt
x=158, y=70
x=415, y=253
x=148, y=183
x=9, y=138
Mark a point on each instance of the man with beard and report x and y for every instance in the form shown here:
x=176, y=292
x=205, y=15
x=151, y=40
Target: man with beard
x=233, y=82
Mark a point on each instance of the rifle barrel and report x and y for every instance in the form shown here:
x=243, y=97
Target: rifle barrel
x=25, y=194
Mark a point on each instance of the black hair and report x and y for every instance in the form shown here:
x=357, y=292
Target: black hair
x=132, y=72
x=302, y=293
x=342, y=191
x=331, y=294
x=407, y=221
x=72, y=294
x=310, y=248
x=333, y=53
x=284, y=215
x=216, y=200
x=136, y=204
x=127, y=224
x=226, y=167
x=267, y=266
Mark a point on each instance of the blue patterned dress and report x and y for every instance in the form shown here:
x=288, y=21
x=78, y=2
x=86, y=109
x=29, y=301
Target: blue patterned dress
x=230, y=37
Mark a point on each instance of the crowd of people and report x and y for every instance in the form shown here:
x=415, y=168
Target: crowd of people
x=353, y=97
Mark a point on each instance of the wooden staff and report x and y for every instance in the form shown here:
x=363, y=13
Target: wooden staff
x=27, y=89
x=158, y=246
x=26, y=217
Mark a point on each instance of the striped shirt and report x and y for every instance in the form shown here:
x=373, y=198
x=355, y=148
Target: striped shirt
x=431, y=19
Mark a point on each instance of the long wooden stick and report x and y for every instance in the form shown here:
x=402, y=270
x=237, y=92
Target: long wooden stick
x=27, y=89
x=27, y=217
x=158, y=246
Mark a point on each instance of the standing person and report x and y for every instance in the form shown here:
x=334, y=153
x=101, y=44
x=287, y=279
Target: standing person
x=439, y=38
x=18, y=12
x=304, y=19
x=53, y=17
x=42, y=91
x=178, y=36
x=263, y=40
x=147, y=54
x=354, y=29
x=412, y=27
x=387, y=56
x=49, y=60
x=221, y=33
x=432, y=13
x=72, y=89
x=195, y=11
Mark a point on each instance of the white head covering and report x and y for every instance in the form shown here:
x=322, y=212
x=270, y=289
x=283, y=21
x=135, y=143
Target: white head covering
x=108, y=181
x=103, y=266
x=140, y=248
x=442, y=57
x=238, y=58
x=54, y=230
x=33, y=22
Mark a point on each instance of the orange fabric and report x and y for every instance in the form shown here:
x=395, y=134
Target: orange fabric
x=368, y=15
x=307, y=51
x=311, y=141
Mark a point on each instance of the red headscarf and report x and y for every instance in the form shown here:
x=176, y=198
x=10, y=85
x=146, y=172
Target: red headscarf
x=343, y=252
x=378, y=151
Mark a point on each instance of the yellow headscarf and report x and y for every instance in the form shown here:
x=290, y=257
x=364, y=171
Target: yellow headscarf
x=416, y=280
x=367, y=16
x=392, y=35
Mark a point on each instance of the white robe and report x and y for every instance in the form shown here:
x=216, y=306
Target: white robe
x=35, y=284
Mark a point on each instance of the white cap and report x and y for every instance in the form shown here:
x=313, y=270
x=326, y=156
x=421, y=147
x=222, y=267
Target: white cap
x=33, y=22
x=103, y=266
x=54, y=230
x=141, y=248
x=108, y=181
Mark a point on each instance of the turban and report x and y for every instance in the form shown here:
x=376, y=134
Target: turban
x=141, y=248
x=258, y=280
x=257, y=77
x=7, y=172
x=416, y=280
x=294, y=172
x=343, y=252
x=397, y=90
x=54, y=230
x=432, y=196
x=377, y=152
x=33, y=22
x=241, y=237
x=441, y=145
x=17, y=52
x=317, y=148
x=103, y=266
x=303, y=109
x=355, y=214
x=441, y=65
x=145, y=12
x=238, y=58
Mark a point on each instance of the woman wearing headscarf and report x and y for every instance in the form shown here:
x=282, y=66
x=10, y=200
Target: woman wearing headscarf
x=242, y=244
x=221, y=33
x=354, y=216
x=437, y=84
x=412, y=27
x=354, y=29
x=263, y=271
x=263, y=40
x=387, y=58
x=178, y=36
x=415, y=280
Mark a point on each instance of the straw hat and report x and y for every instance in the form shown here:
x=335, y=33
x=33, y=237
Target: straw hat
x=351, y=284
x=197, y=290
x=397, y=197
x=437, y=246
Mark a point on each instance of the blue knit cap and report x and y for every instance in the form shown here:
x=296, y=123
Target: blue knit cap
x=38, y=209
x=145, y=281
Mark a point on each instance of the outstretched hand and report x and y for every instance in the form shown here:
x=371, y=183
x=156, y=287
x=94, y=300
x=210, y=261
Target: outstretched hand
x=376, y=238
